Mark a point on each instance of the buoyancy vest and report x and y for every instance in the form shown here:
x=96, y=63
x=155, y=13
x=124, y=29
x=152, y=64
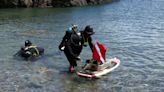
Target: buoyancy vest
x=74, y=43
x=85, y=41
x=34, y=53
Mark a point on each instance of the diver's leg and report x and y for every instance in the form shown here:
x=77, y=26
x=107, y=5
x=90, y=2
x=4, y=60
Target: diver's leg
x=72, y=61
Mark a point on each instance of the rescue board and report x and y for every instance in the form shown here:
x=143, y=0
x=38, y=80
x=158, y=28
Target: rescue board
x=112, y=65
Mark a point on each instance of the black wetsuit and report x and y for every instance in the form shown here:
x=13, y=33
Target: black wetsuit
x=31, y=51
x=74, y=43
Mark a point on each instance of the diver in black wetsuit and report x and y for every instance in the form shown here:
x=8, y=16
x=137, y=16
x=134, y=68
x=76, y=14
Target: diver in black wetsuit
x=73, y=42
x=29, y=50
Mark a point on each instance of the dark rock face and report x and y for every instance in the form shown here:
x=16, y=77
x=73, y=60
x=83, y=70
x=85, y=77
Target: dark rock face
x=49, y=3
x=8, y=3
x=24, y=3
x=61, y=3
x=67, y=3
x=79, y=2
x=42, y=3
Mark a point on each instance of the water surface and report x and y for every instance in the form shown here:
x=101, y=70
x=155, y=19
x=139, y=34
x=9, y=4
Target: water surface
x=132, y=30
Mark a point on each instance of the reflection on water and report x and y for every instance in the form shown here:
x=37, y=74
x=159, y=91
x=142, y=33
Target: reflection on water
x=131, y=29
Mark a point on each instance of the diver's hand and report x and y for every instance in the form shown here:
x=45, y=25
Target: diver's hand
x=78, y=58
x=62, y=48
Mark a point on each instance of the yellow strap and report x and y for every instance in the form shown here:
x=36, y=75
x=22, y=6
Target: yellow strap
x=37, y=51
x=85, y=42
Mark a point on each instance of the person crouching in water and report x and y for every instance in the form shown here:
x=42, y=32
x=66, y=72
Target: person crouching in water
x=29, y=50
x=73, y=42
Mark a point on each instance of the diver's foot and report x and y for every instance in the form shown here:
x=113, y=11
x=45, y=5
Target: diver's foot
x=71, y=69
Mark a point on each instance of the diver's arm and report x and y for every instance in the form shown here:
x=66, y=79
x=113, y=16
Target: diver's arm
x=65, y=39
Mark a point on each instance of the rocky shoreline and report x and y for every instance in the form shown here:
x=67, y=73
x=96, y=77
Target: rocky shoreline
x=49, y=3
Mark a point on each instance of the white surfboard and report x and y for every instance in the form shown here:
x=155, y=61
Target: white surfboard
x=112, y=64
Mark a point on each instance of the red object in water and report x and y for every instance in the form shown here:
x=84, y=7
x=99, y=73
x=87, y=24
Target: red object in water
x=99, y=51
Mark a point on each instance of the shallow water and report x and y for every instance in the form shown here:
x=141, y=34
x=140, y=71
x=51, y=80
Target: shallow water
x=131, y=29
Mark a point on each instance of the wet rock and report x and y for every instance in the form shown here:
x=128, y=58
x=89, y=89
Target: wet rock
x=8, y=3
x=42, y=3
x=79, y=2
x=61, y=3
x=49, y=3
x=67, y=3
x=24, y=3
